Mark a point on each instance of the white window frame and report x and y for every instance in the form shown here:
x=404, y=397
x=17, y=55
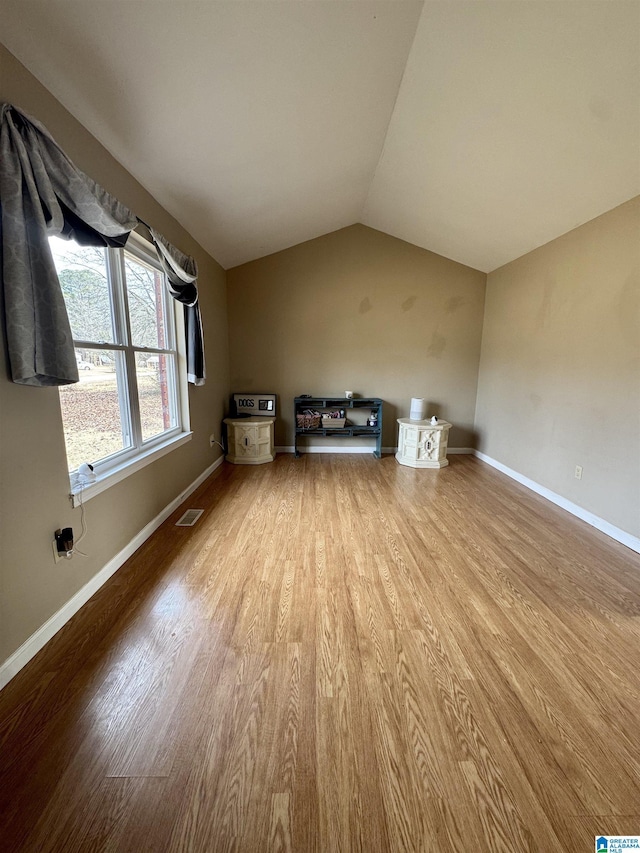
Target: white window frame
x=140, y=452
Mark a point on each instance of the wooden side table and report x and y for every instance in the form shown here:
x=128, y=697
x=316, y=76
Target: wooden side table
x=250, y=440
x=422, y=444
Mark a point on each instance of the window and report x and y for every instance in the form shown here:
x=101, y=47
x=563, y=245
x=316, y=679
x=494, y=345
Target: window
x=128, y=402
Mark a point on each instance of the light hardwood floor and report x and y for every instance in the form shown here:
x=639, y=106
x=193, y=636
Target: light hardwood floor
x=344, y=654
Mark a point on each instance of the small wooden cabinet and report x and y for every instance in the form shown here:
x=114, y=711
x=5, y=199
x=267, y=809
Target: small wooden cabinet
x=250, y=440
x=422, y=444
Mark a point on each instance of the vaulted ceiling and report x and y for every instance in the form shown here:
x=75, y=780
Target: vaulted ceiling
x=479, y=130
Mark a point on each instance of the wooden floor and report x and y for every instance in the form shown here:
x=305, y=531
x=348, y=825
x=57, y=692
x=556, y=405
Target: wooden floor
x=344, y=654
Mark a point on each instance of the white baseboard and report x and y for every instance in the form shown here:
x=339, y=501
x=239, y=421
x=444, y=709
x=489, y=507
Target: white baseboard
x=594, y=520
x=359, y=449
x=41, y=637
x=325, y=448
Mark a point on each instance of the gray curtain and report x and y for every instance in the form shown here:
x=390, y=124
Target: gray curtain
x=42, y=193
x=182, y=272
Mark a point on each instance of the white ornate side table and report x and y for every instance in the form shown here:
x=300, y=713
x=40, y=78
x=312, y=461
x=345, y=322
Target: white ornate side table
x=422, y=444
x=250, y=440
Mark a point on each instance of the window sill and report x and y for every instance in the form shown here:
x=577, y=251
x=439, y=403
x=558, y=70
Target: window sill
x=81, y=494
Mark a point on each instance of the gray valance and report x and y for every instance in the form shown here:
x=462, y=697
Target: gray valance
x=43, y=193
x=182, y=272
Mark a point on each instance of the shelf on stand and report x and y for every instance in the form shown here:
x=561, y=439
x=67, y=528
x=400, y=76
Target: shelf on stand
x=347, y=431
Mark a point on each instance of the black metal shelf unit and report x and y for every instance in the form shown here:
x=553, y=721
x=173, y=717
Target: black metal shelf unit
x=349, y=430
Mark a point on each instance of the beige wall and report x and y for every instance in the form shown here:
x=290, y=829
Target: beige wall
x=33, y=478
x=359, y=310
x=560, y=369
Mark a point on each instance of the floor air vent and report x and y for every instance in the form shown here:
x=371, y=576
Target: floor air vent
x=189, y=518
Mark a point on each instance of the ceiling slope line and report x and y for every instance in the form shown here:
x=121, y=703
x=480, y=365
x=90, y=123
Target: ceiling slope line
x=383, y=144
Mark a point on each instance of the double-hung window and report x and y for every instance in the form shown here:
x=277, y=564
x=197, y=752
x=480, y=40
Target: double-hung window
x=130, y=403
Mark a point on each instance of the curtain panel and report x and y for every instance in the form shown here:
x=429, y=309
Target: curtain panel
x=182, y=272
x=43, y=193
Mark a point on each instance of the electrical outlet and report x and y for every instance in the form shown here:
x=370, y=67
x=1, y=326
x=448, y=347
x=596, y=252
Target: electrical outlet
x=63, y=537
x=212, y=439
x=578, y=474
